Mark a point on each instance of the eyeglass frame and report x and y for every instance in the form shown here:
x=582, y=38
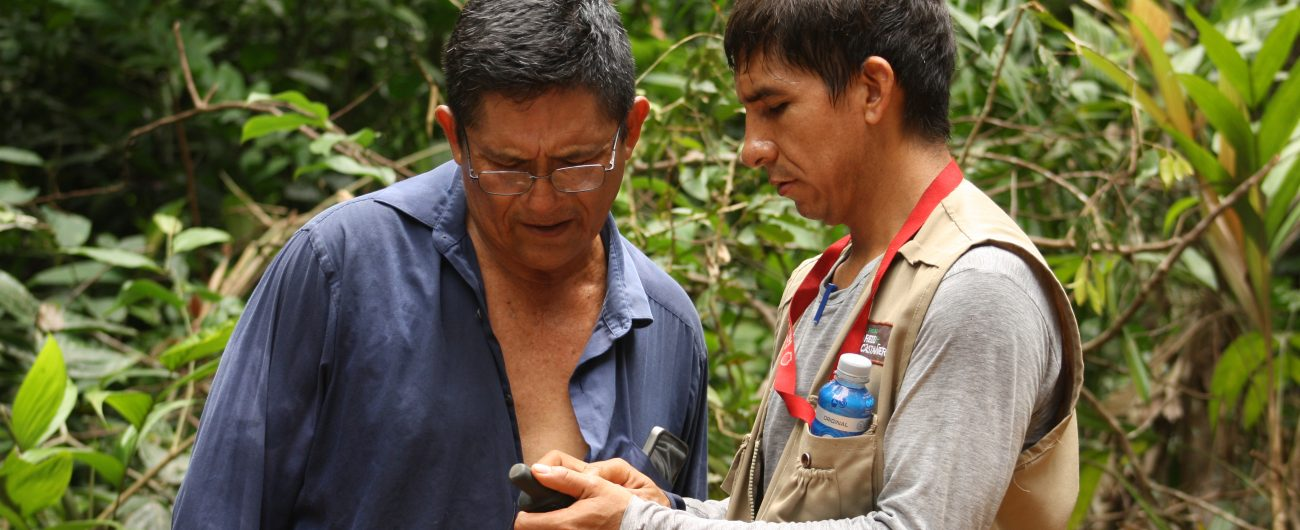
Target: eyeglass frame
x=532, y=179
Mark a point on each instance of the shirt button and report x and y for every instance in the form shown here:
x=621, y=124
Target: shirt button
x=478, y=313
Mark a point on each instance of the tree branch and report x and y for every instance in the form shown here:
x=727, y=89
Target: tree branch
x=1167, y=264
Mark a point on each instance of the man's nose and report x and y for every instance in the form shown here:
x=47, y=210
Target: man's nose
x=756, y=152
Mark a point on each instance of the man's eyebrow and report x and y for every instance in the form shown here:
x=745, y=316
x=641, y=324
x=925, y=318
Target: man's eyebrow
x=762, y=92
x=511, y=156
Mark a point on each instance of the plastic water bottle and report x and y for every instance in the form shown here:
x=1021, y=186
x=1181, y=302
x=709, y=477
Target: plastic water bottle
x=844, y=406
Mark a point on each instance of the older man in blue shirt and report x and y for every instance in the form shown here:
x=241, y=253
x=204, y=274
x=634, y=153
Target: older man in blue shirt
x=407, y=347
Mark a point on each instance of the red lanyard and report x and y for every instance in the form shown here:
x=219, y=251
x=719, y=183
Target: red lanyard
x=939, y=188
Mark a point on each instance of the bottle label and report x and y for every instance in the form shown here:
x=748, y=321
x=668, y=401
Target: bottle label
x=842, y=423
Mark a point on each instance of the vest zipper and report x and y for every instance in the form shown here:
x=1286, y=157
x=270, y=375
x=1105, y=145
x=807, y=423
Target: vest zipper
x=753, y=464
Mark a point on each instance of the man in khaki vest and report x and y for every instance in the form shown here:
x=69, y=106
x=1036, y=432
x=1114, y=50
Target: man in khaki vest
x=977, y=365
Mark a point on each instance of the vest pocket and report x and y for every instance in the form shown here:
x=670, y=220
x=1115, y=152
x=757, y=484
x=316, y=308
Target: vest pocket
x=822, y=478
x=733, y=473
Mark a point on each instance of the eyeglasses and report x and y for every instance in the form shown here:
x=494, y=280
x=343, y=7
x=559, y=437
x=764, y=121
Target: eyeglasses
x=572, y=179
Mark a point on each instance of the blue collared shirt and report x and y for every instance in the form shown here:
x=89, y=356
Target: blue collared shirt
x=364, y=388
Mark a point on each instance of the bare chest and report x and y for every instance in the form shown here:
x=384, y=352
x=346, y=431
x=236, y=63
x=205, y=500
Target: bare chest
x=541, y=342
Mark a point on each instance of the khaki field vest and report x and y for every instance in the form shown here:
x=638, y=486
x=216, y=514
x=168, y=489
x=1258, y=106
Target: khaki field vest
x=838, y=478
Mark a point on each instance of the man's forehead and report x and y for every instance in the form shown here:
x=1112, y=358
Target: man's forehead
x=758, y=78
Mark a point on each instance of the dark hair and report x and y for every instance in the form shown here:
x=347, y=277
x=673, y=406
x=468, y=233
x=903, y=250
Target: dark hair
x=832, y=38
x=524, y=48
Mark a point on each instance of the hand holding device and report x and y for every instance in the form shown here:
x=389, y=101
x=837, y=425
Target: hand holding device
x=533, y=496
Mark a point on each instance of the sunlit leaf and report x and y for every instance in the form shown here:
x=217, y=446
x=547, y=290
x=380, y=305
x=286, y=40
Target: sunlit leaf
x=198, y=345
x=135, y=290
x=1280, y=117
x=40, y=397
x=1125, y=82
x=1229, y=120
x=1225, y=56
x=259, y=126
x=297, y=99
x=70, y=230
x=107, y=466
x=35, y=486
x=1175, y=211
x=167, y=224
x=12, y=192
x=193, y=238
x=115, y=257
x=1163, y=71
x=1274, y=53
x=20, y=157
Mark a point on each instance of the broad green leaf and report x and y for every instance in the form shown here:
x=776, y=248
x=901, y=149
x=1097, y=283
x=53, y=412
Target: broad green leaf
x=19, y=157
x=116, y=257
x=1225, y=56
x=135, y=290
x=1280, y=117
x=70, y=230
x=198, y=345
x=70, y=274
x=297, y=99
x=167, y=224
x=107, y=466
x=1171, y=217
x=1239, y=370
x=16, y=300
x=1125, y=82
x=13, y=193
x=348, y=166
x=325, y=143
x=133, y=406
x=35, y=486
x=1229, y=120
x=1137, y=368
x=1200, y=268
x=1274, y=53
x=193, y=238
x=1163, y=71
x=40, y=397
x=259, y=126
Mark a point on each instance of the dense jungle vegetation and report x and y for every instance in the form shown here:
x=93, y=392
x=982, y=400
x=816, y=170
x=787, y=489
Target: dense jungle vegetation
x=155, y=155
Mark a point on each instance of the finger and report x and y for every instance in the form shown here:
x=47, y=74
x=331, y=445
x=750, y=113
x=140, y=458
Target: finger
x=615, y=470
x=556, y=457
x=568, y=482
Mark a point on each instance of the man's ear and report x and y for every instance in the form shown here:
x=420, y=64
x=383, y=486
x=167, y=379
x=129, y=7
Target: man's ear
x=448, y=123
x=880, y=89
x=635, y=119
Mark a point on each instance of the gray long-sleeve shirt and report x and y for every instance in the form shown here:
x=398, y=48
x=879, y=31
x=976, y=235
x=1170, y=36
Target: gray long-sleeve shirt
x=980, y=387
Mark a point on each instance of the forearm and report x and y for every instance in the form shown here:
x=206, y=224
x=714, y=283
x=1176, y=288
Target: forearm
x=642, y=515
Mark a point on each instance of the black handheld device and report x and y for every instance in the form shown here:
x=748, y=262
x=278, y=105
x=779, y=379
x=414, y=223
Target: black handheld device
x=533, y=496
x=667, y=453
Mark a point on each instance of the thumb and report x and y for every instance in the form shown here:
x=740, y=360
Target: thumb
x=567, y=481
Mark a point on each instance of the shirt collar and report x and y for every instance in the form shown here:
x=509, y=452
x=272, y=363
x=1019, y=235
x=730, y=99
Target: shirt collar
x=437, y=200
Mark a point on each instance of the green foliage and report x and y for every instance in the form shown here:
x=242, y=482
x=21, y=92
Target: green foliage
x=136, y=213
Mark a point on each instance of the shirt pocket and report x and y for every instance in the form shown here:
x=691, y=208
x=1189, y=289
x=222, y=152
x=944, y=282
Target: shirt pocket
x=822, y=478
